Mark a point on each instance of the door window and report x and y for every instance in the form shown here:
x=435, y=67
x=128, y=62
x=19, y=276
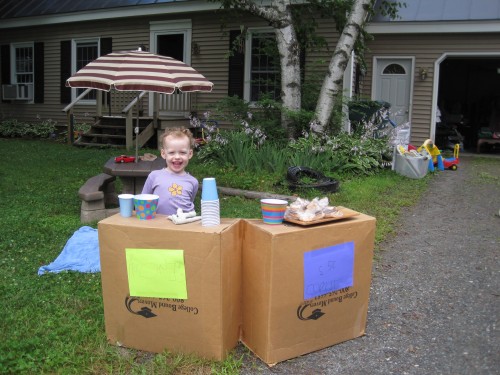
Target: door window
x=171, y=45
x=394, y=69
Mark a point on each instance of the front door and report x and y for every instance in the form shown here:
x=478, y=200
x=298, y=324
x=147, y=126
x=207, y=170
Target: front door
x=392, y=84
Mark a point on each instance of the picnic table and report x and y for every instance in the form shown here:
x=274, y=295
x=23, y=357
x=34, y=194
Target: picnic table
x=133, y=175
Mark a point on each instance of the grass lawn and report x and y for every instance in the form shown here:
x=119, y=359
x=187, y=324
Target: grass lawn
x=54, y=323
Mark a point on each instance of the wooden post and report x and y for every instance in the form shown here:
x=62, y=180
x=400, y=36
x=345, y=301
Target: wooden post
x=129, y=130
x=156, y=106
x=98, y=101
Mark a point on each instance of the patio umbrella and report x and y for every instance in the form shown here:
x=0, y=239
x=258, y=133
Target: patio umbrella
x=139, y=71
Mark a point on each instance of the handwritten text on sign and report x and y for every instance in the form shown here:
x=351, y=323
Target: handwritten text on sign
x=158, y=273
x=328, y=269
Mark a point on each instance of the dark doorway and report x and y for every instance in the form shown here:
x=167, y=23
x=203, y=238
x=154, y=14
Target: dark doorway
x=469, y=91
x=171, y=45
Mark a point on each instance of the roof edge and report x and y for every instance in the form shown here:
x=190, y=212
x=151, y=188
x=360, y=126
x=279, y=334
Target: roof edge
x=135, y=11
x=487, y=26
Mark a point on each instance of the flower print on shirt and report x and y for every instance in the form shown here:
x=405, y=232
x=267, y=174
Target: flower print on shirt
x=175, y=189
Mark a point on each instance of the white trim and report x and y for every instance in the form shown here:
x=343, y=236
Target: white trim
x=435, y=83
x=348, y=91
x=13, y=64
x=13, y=69
x=411, y=74
x=74, y=43
x=396, y=27
x=156, y=28
x=184, y=27
x=348, y=77
x=103, y=14
x=248, y=57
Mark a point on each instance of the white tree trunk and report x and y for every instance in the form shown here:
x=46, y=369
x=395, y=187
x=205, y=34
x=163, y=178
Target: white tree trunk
x=333, y=82
x=289, y=52
x=279, y=16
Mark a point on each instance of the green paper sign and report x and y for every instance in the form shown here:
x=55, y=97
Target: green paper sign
x=156, y=273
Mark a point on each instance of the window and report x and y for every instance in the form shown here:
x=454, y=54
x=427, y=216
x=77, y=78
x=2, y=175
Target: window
x=394, y=69
x=262, y=68
x=84, y=51
x=23, y=63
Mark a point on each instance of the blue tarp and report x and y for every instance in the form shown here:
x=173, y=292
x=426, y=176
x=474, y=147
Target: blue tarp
x=81, y=253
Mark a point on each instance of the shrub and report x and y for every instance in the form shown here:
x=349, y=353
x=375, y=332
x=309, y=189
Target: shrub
x=250, y=147
x=13, y=128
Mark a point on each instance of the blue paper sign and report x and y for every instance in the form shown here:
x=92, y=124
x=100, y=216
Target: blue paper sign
x=328, y=269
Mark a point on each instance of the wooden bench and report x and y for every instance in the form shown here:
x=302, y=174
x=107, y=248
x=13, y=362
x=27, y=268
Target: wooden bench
x=97, y=192
x=480, y=141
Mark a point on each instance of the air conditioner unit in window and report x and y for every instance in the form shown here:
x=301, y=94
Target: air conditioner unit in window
x=20, y=91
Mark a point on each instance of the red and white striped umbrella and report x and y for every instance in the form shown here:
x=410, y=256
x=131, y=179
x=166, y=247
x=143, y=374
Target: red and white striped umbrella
x=139, y=71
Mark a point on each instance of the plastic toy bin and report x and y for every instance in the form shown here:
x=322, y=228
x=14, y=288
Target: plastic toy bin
x=411, y=166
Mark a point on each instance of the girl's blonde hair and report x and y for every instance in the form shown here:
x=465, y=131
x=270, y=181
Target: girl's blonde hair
x=179, y=132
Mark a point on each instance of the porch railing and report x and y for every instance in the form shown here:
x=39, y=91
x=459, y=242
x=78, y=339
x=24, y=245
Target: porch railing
x=124, y=103
x=176, y=104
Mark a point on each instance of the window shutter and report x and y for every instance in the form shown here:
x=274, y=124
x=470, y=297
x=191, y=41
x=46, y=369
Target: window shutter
x=5, y=62
x=302, y=64
x=65, y=71
x=39, y=73
x=236, y=68
x=106, y=46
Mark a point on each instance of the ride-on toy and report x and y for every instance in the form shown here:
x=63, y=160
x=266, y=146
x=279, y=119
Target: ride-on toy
x=452, y=163
x=437, y=159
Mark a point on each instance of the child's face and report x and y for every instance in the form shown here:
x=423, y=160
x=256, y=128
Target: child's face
x=177, y=152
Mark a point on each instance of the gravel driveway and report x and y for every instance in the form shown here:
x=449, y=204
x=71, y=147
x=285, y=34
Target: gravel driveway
x=434, y=306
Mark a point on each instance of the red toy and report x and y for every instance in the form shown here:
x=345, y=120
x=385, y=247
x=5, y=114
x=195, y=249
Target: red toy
x=124, y=159
x=452, y=163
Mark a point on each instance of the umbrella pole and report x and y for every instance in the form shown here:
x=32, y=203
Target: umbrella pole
x=137, y=131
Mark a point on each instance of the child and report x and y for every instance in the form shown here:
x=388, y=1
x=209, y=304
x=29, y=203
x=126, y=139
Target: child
x=175, y=187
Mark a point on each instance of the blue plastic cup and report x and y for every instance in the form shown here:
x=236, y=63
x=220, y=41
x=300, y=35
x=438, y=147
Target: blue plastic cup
x=126, y=204
x=209, y=190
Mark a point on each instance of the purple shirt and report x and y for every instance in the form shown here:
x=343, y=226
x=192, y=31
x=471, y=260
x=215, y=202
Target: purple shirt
x=175, y=191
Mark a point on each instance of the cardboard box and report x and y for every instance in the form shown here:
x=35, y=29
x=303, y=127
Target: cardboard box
x=207, y=323
x=279, y=323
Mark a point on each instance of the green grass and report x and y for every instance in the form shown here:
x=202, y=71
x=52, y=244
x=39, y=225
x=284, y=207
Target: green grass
x=54, y=323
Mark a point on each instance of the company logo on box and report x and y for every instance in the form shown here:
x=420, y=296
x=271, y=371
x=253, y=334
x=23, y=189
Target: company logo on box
x=311, y=310
x=146, y=311
x=304, y=314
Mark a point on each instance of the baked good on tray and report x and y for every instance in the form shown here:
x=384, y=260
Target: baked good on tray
x=316, y=209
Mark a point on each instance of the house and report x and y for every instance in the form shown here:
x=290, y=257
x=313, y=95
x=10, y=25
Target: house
x=438, y=53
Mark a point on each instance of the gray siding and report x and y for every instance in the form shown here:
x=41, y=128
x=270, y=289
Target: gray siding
x=126, y=35
x=426, y=49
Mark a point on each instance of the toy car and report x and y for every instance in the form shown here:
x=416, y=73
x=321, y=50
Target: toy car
x=124, y=159
x=452, y=163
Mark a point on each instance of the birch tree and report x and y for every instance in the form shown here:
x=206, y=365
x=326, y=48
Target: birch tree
x=331, y=90
x=278, y=13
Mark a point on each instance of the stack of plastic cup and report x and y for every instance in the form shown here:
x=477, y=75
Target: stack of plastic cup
x=210, y=209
